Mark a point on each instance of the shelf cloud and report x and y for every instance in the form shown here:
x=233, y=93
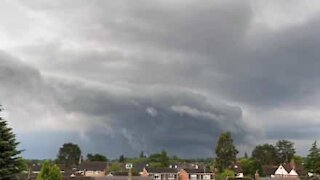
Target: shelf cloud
x=124, y=76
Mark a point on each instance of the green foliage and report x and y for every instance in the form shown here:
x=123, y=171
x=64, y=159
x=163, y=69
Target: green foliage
x=10, y=161
x=159, y=160
x=313, y=159
x=225, y=173
x=298, y=160
x=49, y=172
x=265, y=154
x=97, y=157
x=285, y=151
x=174, y=160
x=228, y=173
x=114, y=167
x=250, y=166
x=69, y=154
x=226, y=152
x=55, y=173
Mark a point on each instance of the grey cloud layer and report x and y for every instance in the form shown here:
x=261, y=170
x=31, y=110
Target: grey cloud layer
x=165, y=74
x=182, y=120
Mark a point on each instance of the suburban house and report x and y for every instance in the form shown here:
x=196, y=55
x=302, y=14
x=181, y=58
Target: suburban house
x=174, y=172
x=290, y=170
x=286, y=172
x=160, y=173
x=193, y=174
x=281, y=172
x=92, y=169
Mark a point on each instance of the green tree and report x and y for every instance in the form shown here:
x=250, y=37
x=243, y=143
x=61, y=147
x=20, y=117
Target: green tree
x=226, y=152
x=285, y=151
x=97, y=157
x=114, y=167
x=55, y=173
x=49, y=172
x=10, y=161
x=313, y=159
x=69, y=154
x=298, y=160
x=159, y=160
x=265, y=154
x=224, y=174
x=250, y=166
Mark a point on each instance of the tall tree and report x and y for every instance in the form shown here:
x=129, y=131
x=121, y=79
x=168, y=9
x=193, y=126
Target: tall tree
x=97, y=157
x=313, y=159
x=69, y=154
x=10, y=161
x=226, y=152
x=142, y=155
x=122, y=159
x=285, y=151
x=265, y=154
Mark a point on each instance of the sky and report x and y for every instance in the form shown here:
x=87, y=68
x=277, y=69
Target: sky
x=121, y=76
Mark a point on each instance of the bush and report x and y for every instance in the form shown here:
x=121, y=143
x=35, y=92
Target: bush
x=226, y=173
x=49, y=172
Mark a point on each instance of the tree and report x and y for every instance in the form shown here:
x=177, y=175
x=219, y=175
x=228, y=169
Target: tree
x=69, y=154
x=226, y=152
x=10, y=161
x=49, y=172
x=285, y=151
x=250, y=166
x=55, y=173
x=265, y=154
x=298, y=160
x=313, y=159
x=224, y=174
x=114, y=167
x=159, y=160
x=97, y=157
x=122, y=159
x=142, y=155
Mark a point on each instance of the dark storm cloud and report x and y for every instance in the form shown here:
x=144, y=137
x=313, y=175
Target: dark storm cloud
x=138, y=117
x=182, y=119
x=209, y=43
x=152, y=75
x=280, y=68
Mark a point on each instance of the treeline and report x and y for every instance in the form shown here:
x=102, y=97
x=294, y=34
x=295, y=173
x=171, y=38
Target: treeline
x=283, y=152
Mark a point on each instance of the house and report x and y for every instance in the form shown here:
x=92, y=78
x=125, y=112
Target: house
x=237, y=169
x=281, y=172
x=287, y=171
x=160, y=173
x=290, y=170
x=194, y=174
x=298, y=169
x=92, y=169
